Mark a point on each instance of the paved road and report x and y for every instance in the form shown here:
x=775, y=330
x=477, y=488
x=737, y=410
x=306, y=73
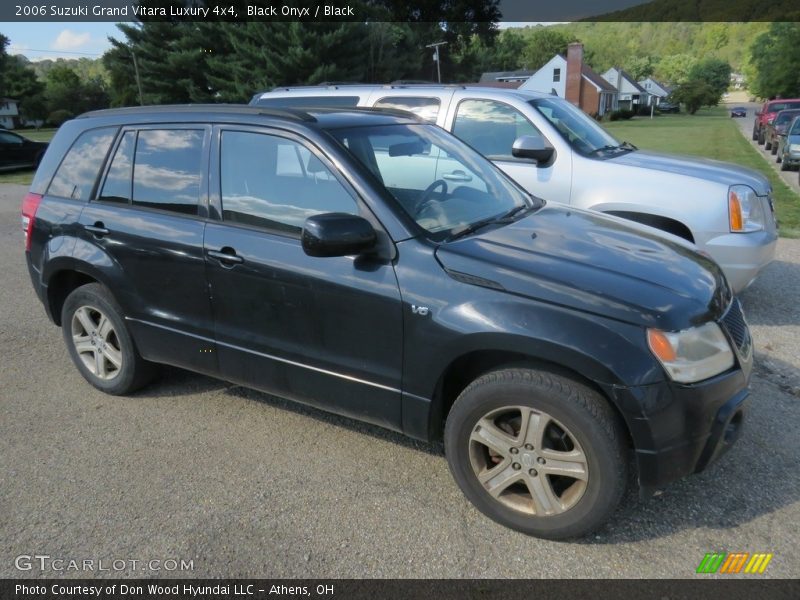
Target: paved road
x=245, y=484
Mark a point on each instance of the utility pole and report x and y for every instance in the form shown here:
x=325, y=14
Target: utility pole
x=436, y=58
x=138, y=80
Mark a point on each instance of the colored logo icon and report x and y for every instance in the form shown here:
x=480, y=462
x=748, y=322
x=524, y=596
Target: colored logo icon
x=734, y=562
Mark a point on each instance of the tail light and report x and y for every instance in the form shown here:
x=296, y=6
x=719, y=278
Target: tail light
x=29, y=208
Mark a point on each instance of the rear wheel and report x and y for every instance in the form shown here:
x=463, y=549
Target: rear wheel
x=99, y=342
x=767, y=145
x=537, y=452
x=761, y=138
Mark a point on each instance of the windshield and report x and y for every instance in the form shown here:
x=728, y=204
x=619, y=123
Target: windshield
x=576, y=127
x=795, y=127
x=786, y=116
x=443, y=184
x=778, y=106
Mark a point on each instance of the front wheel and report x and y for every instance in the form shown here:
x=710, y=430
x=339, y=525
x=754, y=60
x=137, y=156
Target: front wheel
x=99, y=343
x=537, y=452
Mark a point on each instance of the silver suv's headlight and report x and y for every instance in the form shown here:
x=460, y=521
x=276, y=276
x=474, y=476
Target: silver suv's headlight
x=692, y=354
x=745, y=212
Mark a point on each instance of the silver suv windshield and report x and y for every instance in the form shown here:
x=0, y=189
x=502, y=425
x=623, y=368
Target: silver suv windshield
x=579, y=130
x=444, y=185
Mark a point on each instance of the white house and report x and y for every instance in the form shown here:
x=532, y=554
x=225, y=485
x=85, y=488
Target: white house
x=590, y=92
x=8, y=112
x=631, y=94
x=657, y=90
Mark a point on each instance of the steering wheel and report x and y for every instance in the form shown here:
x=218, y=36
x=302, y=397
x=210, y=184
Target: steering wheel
x=427, y=195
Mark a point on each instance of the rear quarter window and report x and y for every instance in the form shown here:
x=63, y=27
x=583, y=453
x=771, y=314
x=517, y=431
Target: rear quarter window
x=78, y=172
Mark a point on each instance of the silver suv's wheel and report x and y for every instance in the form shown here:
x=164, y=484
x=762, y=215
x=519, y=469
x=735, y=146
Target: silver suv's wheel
x=99, y=343
x=537, y=452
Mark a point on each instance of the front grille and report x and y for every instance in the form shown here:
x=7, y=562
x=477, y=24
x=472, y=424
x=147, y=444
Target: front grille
x=734, y=323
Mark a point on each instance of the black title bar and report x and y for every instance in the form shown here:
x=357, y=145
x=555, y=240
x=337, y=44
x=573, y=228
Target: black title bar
x=398, y=10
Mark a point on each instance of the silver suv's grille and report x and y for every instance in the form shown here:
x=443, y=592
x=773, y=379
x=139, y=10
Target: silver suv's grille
x=736, y=326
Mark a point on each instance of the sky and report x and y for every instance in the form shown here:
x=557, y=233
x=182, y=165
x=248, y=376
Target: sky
x=59, y=40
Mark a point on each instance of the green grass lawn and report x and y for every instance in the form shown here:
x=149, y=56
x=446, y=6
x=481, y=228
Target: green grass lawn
x=713, y=134
x=25, y=176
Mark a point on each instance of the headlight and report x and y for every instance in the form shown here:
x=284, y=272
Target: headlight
x=692, y=354
x=744, y=209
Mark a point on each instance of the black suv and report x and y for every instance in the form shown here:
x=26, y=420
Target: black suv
x=375, y=266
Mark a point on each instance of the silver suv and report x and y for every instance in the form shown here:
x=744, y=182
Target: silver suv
x=724, y=209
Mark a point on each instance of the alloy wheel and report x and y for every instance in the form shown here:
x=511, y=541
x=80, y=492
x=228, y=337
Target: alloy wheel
x=96, y=342
x=528, y=461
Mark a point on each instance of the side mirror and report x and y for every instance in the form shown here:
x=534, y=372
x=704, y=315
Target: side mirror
x=337, y=234
x=532, y=146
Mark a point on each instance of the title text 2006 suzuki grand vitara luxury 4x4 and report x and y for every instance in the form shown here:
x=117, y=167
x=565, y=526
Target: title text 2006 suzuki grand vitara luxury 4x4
x=375, y=266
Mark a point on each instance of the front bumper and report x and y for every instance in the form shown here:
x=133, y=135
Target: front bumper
x=681, y=429
x=791, y=158
x=742, y=255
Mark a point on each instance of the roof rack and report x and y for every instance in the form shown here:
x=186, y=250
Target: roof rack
x=286, y=113
x=328, y=85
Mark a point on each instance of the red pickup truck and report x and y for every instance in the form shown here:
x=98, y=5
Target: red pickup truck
x=767, y=114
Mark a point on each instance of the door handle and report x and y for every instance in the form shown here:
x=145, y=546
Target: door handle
x=226, y=255
x=98, y=229
x=457, y=175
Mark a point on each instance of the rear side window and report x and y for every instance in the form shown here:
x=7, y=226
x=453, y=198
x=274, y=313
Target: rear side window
x=118, y=184
x=78, y=172
x=426, y=108
x=276, y=183
x=491, y=127
x=167, y=169
x=309, y=102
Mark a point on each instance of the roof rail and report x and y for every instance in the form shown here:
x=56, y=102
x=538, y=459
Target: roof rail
x=396, y=86
x=324, y=85
x=290, y=113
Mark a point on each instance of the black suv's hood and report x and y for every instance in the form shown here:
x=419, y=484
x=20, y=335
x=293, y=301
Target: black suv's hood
x=595, y=263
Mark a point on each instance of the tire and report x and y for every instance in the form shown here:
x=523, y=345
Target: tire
x=774, y=149
x=99, y=342
x=755, y=134
x=767, y=145
x=761, y=139
x=784, y=166
x=575, y=423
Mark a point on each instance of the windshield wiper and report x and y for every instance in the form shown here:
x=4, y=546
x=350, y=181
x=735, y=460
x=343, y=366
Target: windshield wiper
x=503, y=219
x=623, y=146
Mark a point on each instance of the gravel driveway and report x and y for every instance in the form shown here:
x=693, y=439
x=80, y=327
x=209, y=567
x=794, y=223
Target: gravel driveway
x=244, y=484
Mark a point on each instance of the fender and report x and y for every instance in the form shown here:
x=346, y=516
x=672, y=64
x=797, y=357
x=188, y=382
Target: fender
x=73, y=254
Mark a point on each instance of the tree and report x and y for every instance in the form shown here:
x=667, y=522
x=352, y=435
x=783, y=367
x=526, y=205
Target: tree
x=713, y=71
x=675, y=68
x=542, y=44
x=25, y=87
x=63, y=90
x=694, y=94
x=4, y=41
x=774, y=56
x=640, y=67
